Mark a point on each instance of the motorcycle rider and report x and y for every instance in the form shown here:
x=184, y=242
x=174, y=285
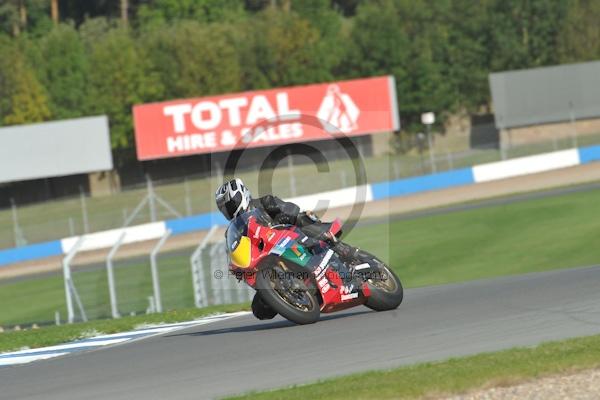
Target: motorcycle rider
x=234, y=198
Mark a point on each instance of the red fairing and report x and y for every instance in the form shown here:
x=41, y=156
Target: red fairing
x=263, y=239
x=336, y=227
x=268, y=237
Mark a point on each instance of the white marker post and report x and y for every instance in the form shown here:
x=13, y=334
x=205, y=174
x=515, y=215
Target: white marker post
x=428, y=119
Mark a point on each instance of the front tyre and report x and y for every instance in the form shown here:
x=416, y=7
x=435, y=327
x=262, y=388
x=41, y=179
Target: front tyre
x=386, y=290
x=260, y=309
x=287, y=295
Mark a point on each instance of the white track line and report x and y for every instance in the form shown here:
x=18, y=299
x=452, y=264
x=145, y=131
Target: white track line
x=67, y=346
x=44, y=353
x=28, y=359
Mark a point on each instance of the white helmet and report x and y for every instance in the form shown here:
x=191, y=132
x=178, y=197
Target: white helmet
x=233, y=198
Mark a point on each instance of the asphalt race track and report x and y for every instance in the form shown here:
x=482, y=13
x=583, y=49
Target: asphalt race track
x=243, y=354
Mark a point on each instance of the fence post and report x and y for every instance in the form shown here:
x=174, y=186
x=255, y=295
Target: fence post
x=344, y=178
x=18, y=232
x=69, y=287
x=450, y=161
x=84, y=213
x=188, y=200
x=396, y=169
x=112, y=291
x=220, y=175
x=71, y=226
x=154, y=270
x=573, y=125
x=431, y=150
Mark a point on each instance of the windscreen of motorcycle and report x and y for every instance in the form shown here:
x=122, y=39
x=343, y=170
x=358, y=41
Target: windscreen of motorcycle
x=238, y=245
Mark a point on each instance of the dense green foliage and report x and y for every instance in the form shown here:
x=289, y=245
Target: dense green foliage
x=96, y=59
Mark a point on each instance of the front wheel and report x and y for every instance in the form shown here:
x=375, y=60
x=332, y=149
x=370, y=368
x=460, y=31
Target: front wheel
x=287, y=295
x=260, y=309
x=386, y=290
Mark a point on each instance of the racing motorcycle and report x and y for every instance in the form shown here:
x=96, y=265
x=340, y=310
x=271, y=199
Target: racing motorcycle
x=300, y=277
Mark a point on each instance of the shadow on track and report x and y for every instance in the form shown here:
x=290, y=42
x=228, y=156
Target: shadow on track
x=262, y=326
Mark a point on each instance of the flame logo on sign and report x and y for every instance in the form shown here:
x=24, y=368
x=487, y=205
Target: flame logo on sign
x=339, y=110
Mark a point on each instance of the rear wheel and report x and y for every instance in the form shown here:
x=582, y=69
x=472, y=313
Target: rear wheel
x=285, y=293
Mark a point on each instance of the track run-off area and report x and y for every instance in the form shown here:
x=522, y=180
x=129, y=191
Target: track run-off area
x=242, y=354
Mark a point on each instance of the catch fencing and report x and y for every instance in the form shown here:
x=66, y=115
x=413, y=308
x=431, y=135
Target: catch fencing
x=194, y=194
x=154, y=282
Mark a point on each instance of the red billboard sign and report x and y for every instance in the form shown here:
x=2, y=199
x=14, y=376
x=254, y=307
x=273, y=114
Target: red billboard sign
x=265, y=117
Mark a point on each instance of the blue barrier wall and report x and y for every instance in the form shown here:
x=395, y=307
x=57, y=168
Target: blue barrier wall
x=424, y=183
x=195, y=223
x=589, y=154
x=31, y=252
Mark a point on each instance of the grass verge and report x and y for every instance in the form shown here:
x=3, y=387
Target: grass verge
x=453, y=376
x=529, y=236
x=51, y=335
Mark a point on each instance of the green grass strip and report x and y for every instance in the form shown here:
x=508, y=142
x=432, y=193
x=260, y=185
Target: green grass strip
x=453, y=376
x=51, y=335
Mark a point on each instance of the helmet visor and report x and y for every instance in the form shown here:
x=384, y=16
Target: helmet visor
x=233, y=204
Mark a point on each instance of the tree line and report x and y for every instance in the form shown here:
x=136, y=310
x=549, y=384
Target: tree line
x=67, y=58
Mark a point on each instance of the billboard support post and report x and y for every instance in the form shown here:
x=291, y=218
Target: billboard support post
x=151, y=202
x=84, y=213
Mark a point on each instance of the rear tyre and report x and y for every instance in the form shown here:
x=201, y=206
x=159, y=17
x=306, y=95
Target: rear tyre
x=287, y=295
x=260, y=309
x=386, y=291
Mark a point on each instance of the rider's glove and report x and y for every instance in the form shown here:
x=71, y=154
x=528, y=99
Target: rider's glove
x=310, y=214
